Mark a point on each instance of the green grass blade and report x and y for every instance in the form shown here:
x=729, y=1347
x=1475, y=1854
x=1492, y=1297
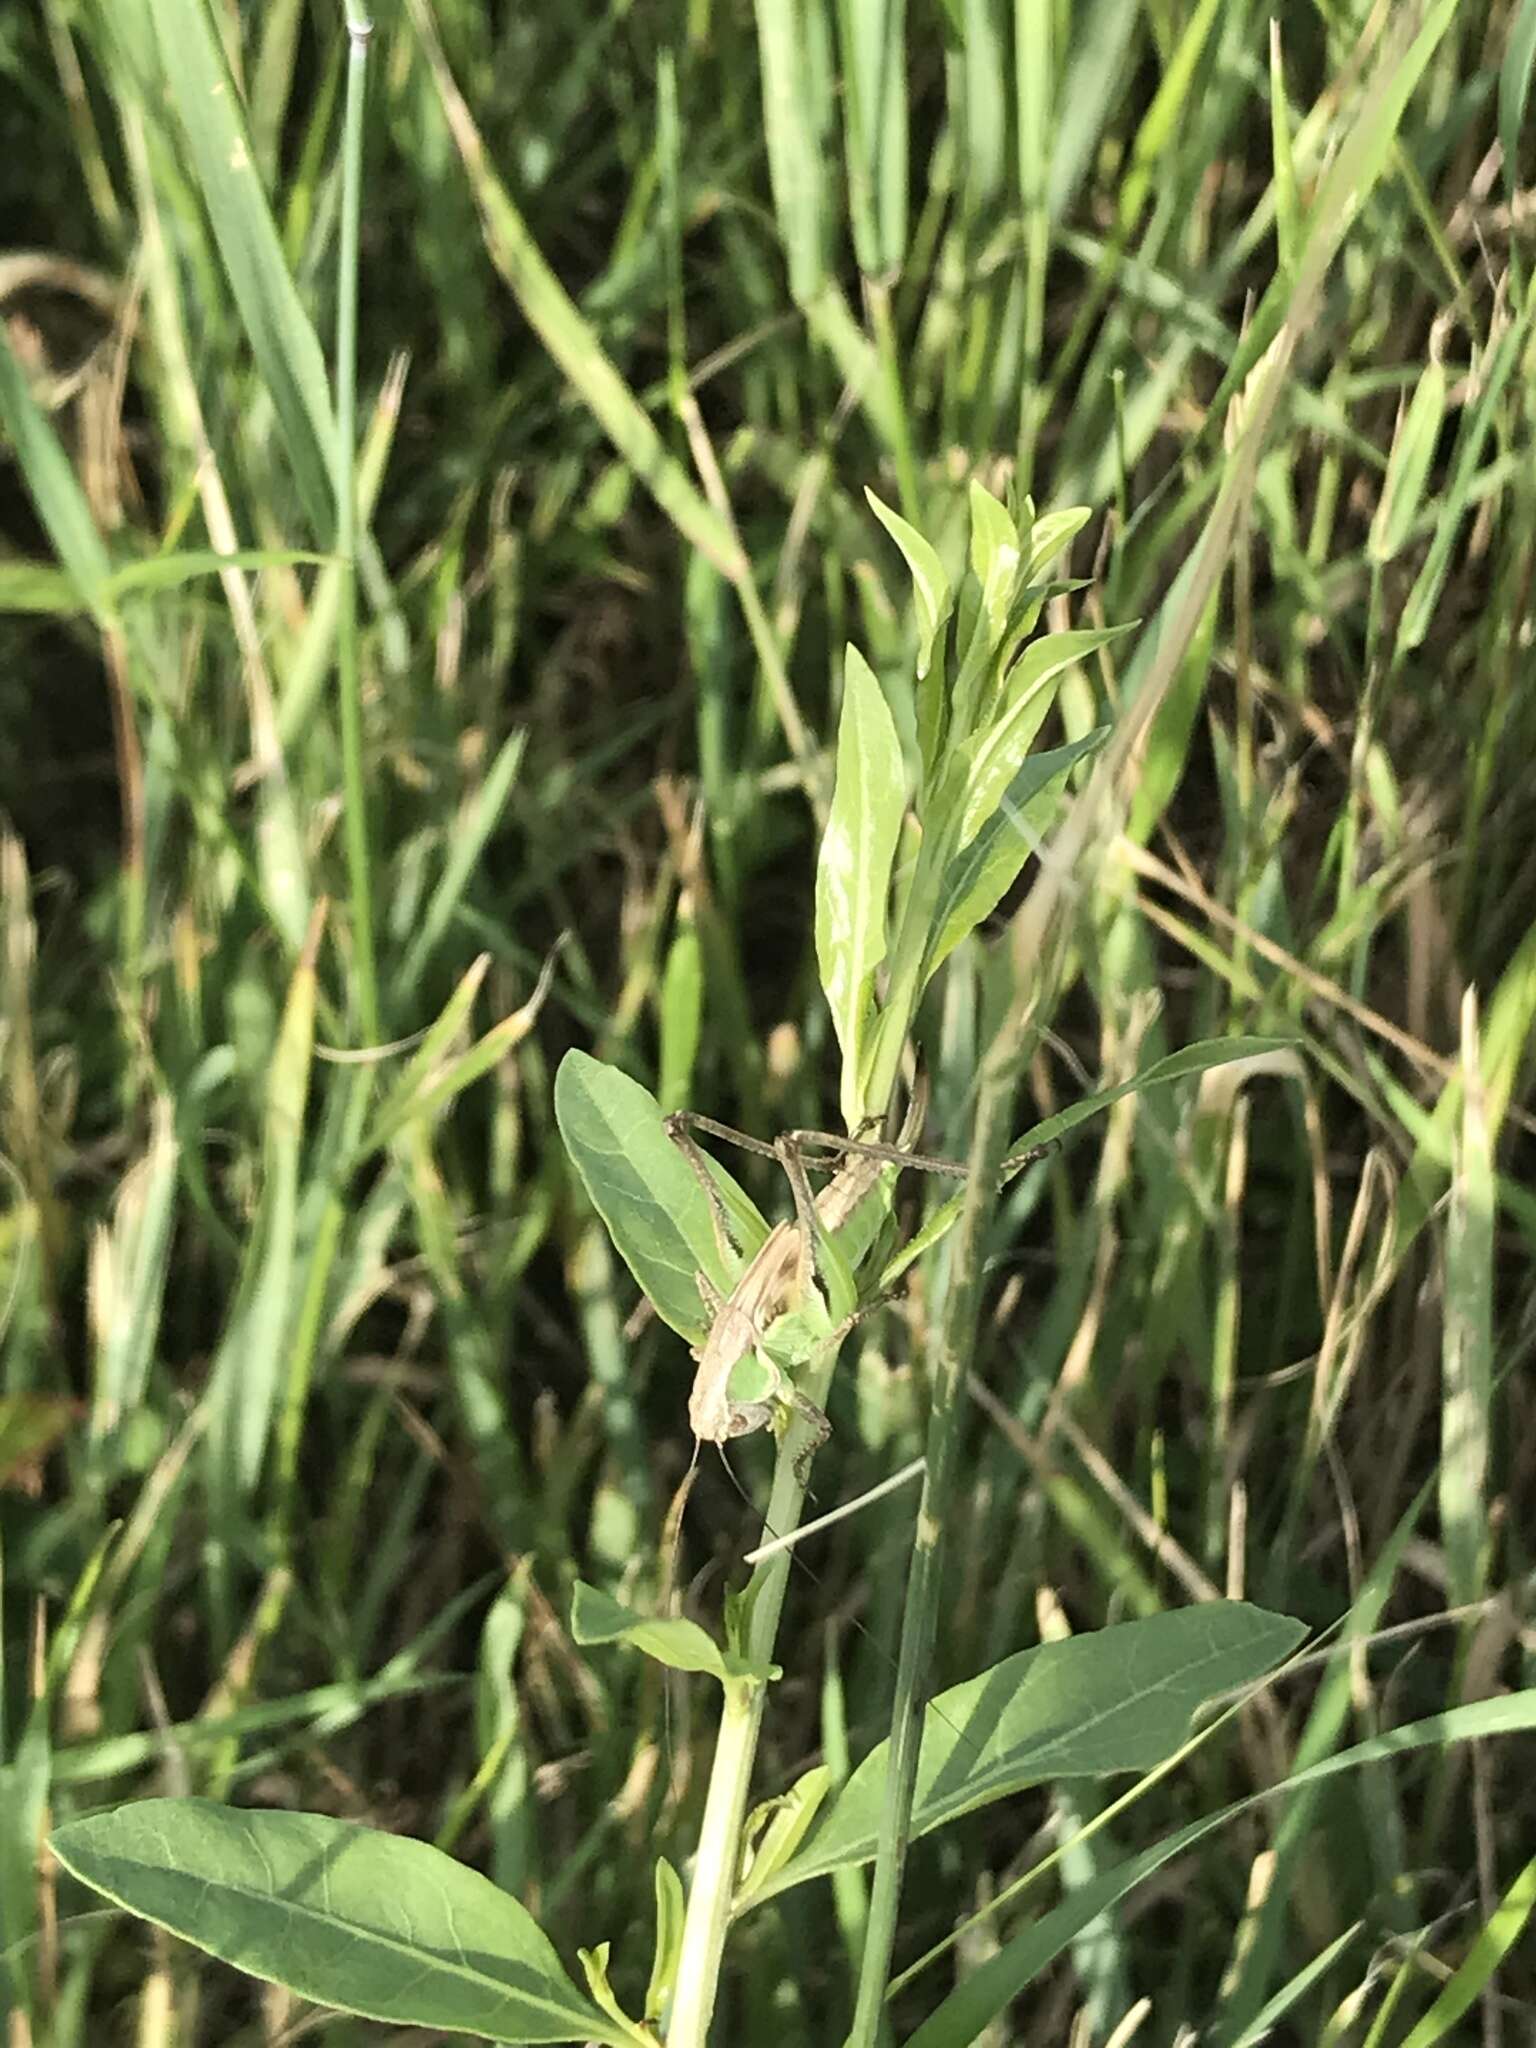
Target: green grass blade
x=565, y=333
x=466, y=842
x=282, y=338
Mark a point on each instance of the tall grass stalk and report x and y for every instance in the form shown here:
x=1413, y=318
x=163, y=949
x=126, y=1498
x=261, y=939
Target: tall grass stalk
x=348, y=668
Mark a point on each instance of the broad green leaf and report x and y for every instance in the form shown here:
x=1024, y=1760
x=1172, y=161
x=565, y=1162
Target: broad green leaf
x=1198, y=1058
x=853, y=872
x=930, y=585
x=1000, y=752
x=365, y=1922
x=672, y=1640
x=1121, y=1699
x=657, y=1214
x=984, y=870
x=965, y=2014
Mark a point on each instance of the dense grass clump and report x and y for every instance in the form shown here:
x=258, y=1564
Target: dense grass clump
x=782, y=557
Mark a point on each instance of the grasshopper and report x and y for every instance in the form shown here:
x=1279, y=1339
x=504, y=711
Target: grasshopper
x=774, y=1320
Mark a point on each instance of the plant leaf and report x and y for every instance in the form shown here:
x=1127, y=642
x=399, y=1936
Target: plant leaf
x=657, y=1214
x=994, y=554
x=1001, y=751
x=670, y=1908
x=365, y=1922
x=930, y=585
x=778, y=1828
x=853, y=873
x=596, y=1617
x=983, y=871
x=1120, y=1699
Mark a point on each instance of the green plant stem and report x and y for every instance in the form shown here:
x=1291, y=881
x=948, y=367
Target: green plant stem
x=955, y=1340
x=718, y=1860
x=348, y=676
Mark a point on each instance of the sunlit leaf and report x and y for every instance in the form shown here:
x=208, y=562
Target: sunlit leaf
x=1121, y=1699
x=656, y=1212
x=672, y=1640
x=930, y=585
x=368, y=1923
x=984, y=870
x=853, y=873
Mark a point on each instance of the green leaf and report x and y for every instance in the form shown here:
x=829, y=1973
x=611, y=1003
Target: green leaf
x=1000, y=753
x=994, y=554
x=778, y=1827
x=52, y=485
x=367, y=1923
x=657, y=1214
x=983, y=871
x=682, y=1645
x=1050, y=534
x=670, y=1909
x=853, y=872
x=437, y=1073
x=930, y=585
x=1121, y=1699
x=1288, y=218
x=594, y=1965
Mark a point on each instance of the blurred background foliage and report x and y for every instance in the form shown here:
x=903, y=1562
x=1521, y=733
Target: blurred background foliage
x=323, y=1384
